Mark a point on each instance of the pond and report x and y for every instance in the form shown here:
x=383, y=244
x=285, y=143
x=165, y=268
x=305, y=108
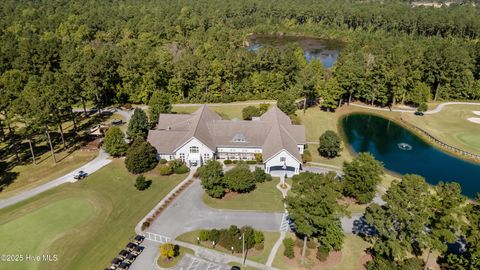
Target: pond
x=326, y=51
x=404, y=152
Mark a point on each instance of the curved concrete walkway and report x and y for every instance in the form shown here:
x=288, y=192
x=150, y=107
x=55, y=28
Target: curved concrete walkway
x=101, y=160
x=438, y=109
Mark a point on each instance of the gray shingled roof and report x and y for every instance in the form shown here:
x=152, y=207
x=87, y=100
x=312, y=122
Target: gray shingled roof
x=272, y=132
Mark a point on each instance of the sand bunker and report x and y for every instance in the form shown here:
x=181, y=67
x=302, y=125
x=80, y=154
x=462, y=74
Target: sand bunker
x=474, y=120
x=476, y=112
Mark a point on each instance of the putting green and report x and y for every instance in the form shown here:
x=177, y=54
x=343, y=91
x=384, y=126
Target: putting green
x=31, y=233
x=469, y=139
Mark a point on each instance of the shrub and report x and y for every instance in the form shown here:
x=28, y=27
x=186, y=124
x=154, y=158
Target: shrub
x=259, y=158
x=181, y=170
x=165, y=169
x=145, y=225
x=141, y=183
x=163, y=161
x=204, y=235
x=167, y=251
x=268, y=177
x=176, y=163
x=214, y=235
x=258, y=237
x=141, y=157
x=288, y=243
x=422, y=107
x=260, y=175
x=322, y=253
x=114, y=142
x=249, y=112
x=251, y=162
x=227, y=162
x=211, y=175
x=306, y=156
x=240, y=179
x=235, y=161
x=329, y=145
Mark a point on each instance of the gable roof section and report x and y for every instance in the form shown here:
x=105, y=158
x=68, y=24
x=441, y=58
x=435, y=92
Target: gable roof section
x=272, y=132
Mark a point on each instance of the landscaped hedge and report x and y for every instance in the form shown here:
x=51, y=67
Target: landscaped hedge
x=232, y=237
x=227, y=162
x=288, y=252
x=165, y=169
x=181, y=170
x=251, y=162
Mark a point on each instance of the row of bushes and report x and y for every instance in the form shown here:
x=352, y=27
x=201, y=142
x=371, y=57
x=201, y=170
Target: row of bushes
x=174, y=166
x=162, y=207
x=232, y=237
x=249, y=162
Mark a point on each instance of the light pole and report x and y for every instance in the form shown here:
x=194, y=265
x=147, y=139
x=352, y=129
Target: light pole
x=243, y=248
x=198, y=240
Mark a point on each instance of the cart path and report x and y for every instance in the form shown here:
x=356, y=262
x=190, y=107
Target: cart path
x=99, y=162
x=438, y=109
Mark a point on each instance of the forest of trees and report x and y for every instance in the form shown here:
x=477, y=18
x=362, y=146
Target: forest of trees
x=55, y=56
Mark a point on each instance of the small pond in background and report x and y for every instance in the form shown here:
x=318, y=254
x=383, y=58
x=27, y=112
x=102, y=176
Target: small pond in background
x=326, y=51
x=403, y=152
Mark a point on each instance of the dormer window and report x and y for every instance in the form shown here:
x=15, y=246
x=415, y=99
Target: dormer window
x=239, y=137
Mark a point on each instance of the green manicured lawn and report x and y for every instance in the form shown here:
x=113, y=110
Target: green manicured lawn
x=171, y=263
x=33, y=232
x=266, y=197
x=30, y=175
x=451, y=126
x=117, y=205
x=353, y=250
x=253, y=255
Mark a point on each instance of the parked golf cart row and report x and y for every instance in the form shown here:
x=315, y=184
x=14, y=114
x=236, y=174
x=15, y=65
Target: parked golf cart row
x=127, y=255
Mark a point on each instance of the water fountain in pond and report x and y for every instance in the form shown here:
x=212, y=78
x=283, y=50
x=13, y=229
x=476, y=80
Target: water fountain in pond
x=404, y=146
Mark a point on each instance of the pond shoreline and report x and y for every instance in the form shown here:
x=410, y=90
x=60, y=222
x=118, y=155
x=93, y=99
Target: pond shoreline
x=412, y=128
x=380, y=135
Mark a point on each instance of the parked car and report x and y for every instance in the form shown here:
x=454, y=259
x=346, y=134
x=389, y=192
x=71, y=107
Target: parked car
x=131, y=246
x=123, y=266
x=139, y=239
x=418, y=113
x=137, y=250
x=123, y=254
x=80, y=175
x=235, y=268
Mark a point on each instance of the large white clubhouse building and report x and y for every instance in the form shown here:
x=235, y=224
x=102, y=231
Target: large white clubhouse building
x=204, y=135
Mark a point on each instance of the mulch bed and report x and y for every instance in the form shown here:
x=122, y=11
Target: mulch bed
x=363, y=260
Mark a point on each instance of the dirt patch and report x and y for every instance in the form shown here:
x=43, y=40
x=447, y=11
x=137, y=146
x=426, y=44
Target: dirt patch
x=230, y=195
x=363, y=260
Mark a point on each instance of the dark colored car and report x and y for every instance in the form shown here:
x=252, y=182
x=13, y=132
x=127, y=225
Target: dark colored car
x=80, y=175
x=235, y=268
x=139, y=239
x=417, y=113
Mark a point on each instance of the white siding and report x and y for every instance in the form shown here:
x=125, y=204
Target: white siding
x=275, y=161
x=189, y=157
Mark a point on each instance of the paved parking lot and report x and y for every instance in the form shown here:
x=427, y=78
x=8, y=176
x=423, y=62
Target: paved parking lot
x=190, y=262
